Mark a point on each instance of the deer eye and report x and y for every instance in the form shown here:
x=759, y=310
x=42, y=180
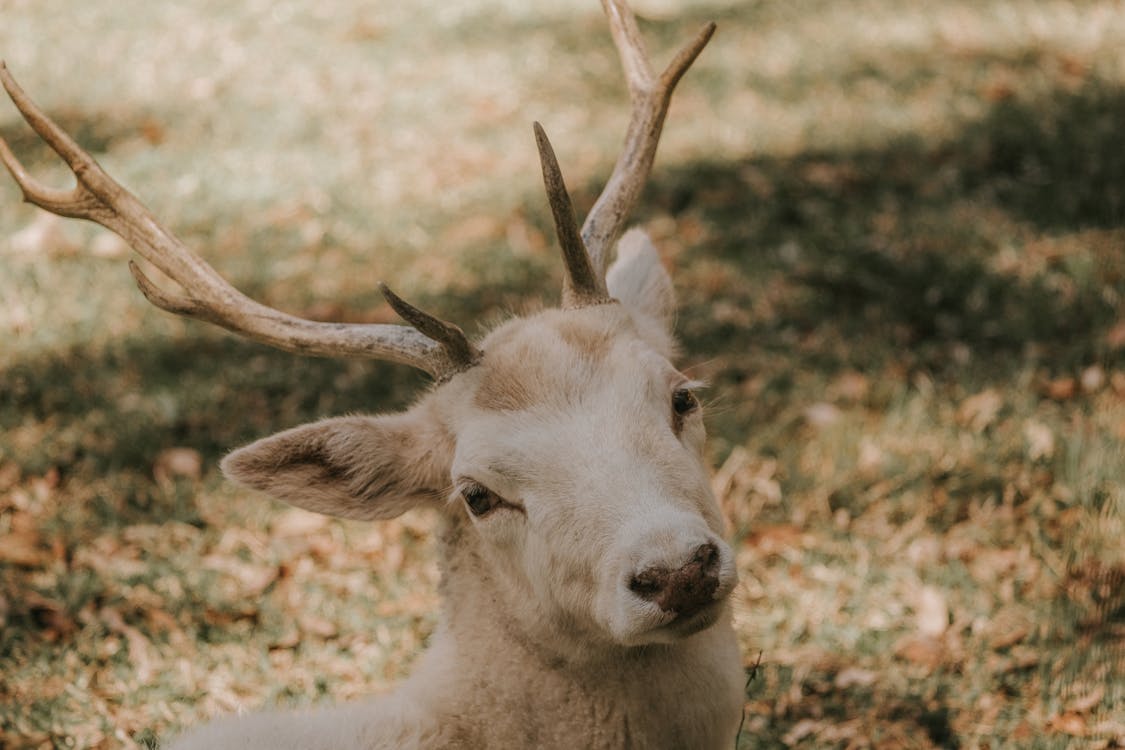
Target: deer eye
x=684, y=402
x=479, y=498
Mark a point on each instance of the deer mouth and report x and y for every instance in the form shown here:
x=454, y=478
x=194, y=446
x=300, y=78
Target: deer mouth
x=690, y=623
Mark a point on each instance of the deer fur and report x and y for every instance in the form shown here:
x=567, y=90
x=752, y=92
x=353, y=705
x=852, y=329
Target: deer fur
x=541, y=643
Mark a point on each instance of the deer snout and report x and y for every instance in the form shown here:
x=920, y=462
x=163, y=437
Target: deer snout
x=685, y=590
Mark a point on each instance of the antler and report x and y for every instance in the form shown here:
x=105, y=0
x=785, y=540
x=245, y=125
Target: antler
x=433, y=345
x=649, y=94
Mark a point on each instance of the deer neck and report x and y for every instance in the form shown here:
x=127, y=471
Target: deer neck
x=489, y=660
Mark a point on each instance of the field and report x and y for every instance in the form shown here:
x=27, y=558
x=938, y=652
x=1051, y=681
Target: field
x=898, y=237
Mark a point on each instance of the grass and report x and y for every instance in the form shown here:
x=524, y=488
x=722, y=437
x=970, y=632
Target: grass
x=897, y=234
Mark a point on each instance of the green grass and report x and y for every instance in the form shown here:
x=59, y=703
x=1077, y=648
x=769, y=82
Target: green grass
x=898, y=234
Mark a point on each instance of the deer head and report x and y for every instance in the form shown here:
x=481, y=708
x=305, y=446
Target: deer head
x=564, y=448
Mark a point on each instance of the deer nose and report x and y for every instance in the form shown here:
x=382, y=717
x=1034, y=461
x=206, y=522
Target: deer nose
x=684, y=591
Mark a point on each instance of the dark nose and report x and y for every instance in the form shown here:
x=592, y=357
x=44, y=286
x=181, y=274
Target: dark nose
x=684, y=591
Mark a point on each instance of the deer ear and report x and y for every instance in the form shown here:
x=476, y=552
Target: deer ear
x=640, y=282
x=364, y=468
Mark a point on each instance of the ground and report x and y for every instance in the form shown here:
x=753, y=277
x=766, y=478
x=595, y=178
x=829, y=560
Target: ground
x=898, y=235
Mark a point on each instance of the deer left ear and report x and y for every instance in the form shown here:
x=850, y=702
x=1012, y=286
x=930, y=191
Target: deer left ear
x=363, y=468
x=640, y=282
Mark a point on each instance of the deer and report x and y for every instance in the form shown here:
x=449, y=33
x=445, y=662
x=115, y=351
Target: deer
x=585, y=580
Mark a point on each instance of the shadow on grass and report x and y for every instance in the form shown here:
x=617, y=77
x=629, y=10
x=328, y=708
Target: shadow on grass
x=897, y=255
x=821, y=262
x=94, y=411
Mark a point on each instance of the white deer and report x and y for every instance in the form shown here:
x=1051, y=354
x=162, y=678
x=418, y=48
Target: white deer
x=585, y=581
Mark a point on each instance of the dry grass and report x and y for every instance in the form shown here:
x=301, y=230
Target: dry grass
x=899, y=236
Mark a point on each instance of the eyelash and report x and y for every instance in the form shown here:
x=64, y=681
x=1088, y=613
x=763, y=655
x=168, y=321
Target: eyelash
x=479, y=499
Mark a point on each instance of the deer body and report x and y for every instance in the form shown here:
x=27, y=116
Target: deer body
x=585, y=580
x=454, y=702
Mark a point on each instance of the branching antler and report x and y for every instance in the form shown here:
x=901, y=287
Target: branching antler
x=649, y=94
x=432, y=345
x=587, y=252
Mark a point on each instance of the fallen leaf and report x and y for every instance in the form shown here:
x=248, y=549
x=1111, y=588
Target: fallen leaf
x=1061, y=389
x=1007, y=628
x=46, y=235
x=139, y=647
x=1092, y=379
x=1117, y=381
x=850, y=386
x=173, y=463
x=1083, y=703
x=1040, y=440
x=108, y=245
x=23, y=549
x=252, y=579
x=289, y=639
x=775, y=539
x=854, y=676
x=822, y=414
x=318, y=626
x=1018, y=659
x=801, y=730
x=979, y=411
x=931, y=612
x=1068, y=723
x=1115, y=337
x=297, y=522
x=922, y=650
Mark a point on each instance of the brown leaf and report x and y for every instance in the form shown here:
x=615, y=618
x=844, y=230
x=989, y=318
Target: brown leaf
x=850, y=386
x=317, y=626
x=1007, y=628
x=252, y=579
x=1067, y=723
x=288, y=639
x=1117, y=382
x=46, y=236
x=139, y=647
x=1061, y=389
x=1084, y=703
x=1115, y=337
x=297, y=522
x=177, y=463
x=822, y=414
x=979, y=411
x=922, y=650
x=1020, y=658
x=853, y=676
x=108, y=245
x=777, y=538
x=1040, y=440
x=1092, y=379
x=931, y=612
x=25, y=549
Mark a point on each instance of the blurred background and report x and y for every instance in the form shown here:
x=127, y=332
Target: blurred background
x=897, y=232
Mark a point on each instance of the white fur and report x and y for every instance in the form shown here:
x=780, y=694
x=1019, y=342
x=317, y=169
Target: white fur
x=541, y=644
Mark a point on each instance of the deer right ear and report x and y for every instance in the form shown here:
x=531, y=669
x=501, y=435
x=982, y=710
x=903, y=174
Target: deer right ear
x=363, y=468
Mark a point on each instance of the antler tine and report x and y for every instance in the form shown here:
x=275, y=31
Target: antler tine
x=581, y=285
x=650, y=95
x=207, y=295
x=450, y=336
